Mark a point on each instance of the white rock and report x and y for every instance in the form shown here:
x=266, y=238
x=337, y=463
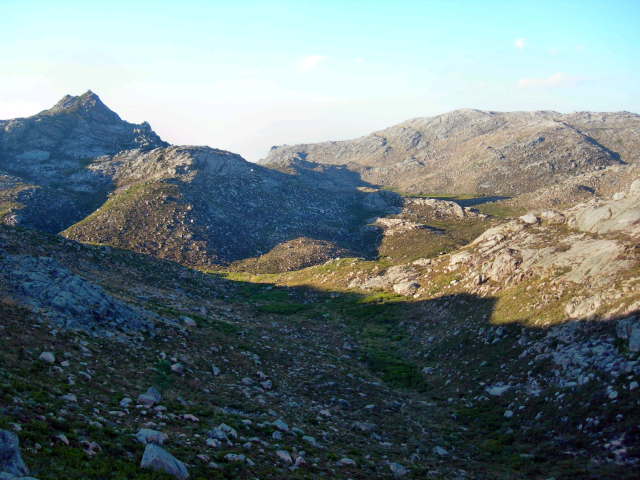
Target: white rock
x=440, y=451
x=309, y=439
x=284, y=456
x=280, y=425
x=47, y=357
x=530, y=219
x=633, y=385
x=508, y=414
x=397, y=469
x=267, y=385
x=189, y=322
x=496, y=391
x=235, y=458
x=146, y=435
x=213, y=443
x=347, y=462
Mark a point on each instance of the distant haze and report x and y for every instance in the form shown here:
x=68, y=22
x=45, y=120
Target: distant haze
x=244, y=76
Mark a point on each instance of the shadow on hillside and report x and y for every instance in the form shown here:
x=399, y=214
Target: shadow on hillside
x=397, y=336
x=390, y=333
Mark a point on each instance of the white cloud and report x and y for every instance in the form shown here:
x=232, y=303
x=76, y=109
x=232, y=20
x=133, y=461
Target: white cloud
x=553, y=51
x=558, y=79
x=310, y=63
x=520, y=43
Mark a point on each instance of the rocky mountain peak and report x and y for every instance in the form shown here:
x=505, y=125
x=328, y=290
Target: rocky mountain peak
x=86, y=105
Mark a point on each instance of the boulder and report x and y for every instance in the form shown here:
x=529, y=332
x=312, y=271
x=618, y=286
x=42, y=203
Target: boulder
x=189, y=322
x=496, y=391
x=267, y=385
x=347, y=462
x=229, y=430
x=504, y=265
x=310, y=440
x=284, y=456
x=232, y=457
x=440, y=451
x=552, y=216
x=146, y=435
x=530, y=219
x=150, y=398
x=10, y=458
x=47, y=357
x=625, y=326
x=397, y=470
x=218, y=434
x=280, y=425
x=406, y=288
x=157, y=458
x=634, y=340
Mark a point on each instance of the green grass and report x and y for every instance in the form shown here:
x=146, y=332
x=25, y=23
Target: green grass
x=498, y=209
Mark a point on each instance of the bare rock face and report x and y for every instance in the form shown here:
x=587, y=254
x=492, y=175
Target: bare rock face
x=71, y=300
x=621, y=214
x=400, y=278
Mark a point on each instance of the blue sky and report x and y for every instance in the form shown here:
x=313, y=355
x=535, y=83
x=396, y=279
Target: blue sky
x=246, y=75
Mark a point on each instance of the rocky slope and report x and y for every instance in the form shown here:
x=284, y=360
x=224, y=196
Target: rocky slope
x=477, y=152
x=495, y=360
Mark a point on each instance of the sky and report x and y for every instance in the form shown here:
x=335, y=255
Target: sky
x=247, y=75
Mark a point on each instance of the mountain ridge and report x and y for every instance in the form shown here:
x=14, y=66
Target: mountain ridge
x=477, y=152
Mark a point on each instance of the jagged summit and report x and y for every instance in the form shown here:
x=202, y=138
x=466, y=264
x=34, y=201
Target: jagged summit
x=88, y=104
x=56, y=151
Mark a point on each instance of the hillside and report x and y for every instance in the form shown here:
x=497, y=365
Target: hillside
x=199, y=316
x=514, y=357
x=477, y=152
x=204, y=207
x=80, y=169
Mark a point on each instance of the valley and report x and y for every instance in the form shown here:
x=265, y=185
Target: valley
x=452, y=297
